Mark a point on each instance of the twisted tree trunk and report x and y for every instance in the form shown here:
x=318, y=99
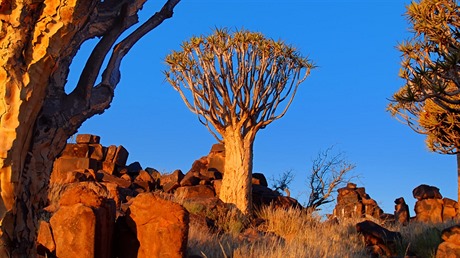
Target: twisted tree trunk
x=38, y=40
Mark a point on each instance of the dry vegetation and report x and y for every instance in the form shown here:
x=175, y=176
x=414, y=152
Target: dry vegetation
x=295, y=233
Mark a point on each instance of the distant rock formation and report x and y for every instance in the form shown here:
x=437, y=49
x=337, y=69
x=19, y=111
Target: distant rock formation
x=431, y=206
x=353, y=202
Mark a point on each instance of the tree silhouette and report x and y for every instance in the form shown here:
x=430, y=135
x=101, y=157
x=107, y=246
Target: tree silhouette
x=236, y=83
x=429, y=102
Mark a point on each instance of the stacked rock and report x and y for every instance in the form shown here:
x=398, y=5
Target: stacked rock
x=353, y=202
x=431, y=207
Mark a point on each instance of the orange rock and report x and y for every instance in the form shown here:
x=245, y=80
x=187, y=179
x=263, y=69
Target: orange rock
x=429, y=210
x=74, y=230
x=161, y=226
x=45, y=237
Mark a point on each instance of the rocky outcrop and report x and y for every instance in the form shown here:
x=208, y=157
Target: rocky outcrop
x=431, y=207
x=91, y=191
x=378, y=240
x=451, y=245
x=401, y=214
x=353, y=202
x=82, y=223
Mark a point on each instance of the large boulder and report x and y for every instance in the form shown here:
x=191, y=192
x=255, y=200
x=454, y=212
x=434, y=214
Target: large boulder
x=161, y=226
x=429, y=210
x=451, y=245
x=74, y=230
x=422, y=192
x=378, y=240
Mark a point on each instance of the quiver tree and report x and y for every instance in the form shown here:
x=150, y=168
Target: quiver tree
x=429, y=102
x=38, y=41
x=237, y=84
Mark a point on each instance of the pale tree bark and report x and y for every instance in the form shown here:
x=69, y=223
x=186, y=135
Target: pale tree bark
x=38, y=40
x=237, y=179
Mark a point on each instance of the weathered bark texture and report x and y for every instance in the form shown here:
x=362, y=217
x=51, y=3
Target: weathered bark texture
x=38, y=40
x=236, y=183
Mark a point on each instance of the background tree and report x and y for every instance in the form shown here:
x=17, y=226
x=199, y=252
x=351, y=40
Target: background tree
x=429, y=102
x=235, y=84
x=328, y=173
x=38, y=41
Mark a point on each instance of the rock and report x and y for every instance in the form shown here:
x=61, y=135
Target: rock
x=111, y=151
x=109, y=167
x=259, y=179
x=172, y=181
x=199, y=165
x=402, y=215
x=66, y=177
x=450, y=209
x=96, y=152
x=378, y=239
x=89, y=194
x=422, y=192
x=286, y=202
x=102, y=176
x=73, y=150
x=429, y=210
x=210, y=174
x=74, y=230
x=161, y=226
x=216, y=158
x=88, y=139
x=191, y=178
x=263, y=196
x=45, y=238
x=145, y=181
x=198, y=191
x=353, y=202
x=134, y=168
x=217, y=148
x=62, y=165
x=451, y=245
x=121, y=156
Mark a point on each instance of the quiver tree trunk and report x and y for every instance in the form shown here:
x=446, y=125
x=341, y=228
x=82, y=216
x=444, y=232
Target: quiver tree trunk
x=38, y=40
x=237, y=180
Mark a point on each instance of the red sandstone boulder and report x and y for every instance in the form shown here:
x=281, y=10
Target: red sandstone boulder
x=161, y=226
x=451, y=245
x=429, y=210
x=74, y=230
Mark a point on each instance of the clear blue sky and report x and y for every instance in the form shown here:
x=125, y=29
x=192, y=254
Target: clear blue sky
x=342, y=103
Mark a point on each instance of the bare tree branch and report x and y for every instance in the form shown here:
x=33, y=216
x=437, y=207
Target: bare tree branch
x=327, y=174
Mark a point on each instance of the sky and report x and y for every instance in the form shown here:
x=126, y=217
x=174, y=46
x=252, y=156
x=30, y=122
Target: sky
x=342, y=104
